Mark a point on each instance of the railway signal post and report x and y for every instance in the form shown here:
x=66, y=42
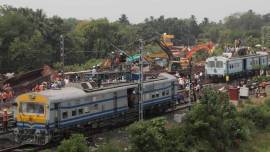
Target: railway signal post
x=190, y=82
x=141, y=81
x=62, y=53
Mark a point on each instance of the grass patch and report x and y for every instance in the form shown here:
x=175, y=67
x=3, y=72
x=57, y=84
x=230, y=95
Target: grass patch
x=258, y=142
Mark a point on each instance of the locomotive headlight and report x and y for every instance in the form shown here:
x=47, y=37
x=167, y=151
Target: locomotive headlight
x=16, y=131
x=37, y=132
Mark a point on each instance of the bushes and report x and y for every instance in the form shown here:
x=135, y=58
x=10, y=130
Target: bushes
x=109, y=147
x=258, y=115
x=262, y=78
x=147, y=136
x=78, y=67
x=212, y=125
x=76, y=143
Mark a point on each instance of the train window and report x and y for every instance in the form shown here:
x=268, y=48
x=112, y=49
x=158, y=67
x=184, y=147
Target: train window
x=153, y=95
x=103, y=107
x=163, y=93
x=86, y=109
x=211, y=64
x=64, y=115
x=73, y=113
x=167, y=92
x=96, y=107
x=80, y=111
x=157, y=94
x=32, y=108
x=219, y=64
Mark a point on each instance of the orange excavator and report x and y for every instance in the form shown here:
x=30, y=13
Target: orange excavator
x=208, y=47
x=178, y=56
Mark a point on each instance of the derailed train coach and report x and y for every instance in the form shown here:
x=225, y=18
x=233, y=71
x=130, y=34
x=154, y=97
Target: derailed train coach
x=221, y=66
x=47, y=114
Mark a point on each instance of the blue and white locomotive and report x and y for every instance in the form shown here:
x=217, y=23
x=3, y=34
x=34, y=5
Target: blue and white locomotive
x=220, y=66
x=43, y=115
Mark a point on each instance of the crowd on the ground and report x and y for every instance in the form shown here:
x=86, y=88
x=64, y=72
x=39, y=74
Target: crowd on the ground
x=6, y=93
x=184, y=84
x=183, y=81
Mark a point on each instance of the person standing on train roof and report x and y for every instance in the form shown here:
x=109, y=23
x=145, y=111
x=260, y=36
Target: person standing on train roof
x=5, y=120
x=94, y=71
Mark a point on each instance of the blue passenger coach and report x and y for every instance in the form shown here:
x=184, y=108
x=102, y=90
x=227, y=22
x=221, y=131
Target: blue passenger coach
x=220, y=66
x=40, y=116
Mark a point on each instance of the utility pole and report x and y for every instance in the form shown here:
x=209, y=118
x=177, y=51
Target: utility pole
x=190, y=82
x=62, y=53
x=141, y=82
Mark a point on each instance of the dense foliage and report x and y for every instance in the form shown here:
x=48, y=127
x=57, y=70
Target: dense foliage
x=76, y=143
x=29, y=39
x=212, y=125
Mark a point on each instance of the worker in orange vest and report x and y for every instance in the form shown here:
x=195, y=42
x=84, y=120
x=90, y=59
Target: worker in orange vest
x=1, y=97
x=10, y=95
x=41, y=87
x=36, y=89
x=4, y=96
x=5, y=120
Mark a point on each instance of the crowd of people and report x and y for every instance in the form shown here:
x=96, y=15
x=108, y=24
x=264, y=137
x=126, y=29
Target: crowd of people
x=6, y=93
x=184, y=84
x=57, y=83
x=184, y=81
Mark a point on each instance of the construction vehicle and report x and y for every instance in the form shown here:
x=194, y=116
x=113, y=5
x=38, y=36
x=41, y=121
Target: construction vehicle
x=178, y=57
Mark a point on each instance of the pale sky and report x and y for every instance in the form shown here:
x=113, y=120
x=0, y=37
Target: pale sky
x=138, y=10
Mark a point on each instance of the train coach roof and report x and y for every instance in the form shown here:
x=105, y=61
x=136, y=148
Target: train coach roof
x=168, y=76
x=63, y=93
x=233, y=58
x=55, y=95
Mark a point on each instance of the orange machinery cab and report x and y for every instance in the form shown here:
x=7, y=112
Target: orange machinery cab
x=32, y=111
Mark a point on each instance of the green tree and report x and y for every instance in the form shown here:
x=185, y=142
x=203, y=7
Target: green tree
x=76, y=143
x=124, y=19
x=213, y=124
x=30, y=54
x=109, y=147
x=147, y=136
x=266, y=36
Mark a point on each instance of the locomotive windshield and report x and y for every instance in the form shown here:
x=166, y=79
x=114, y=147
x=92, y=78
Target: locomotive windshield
x=211, y=64
x=30, y=107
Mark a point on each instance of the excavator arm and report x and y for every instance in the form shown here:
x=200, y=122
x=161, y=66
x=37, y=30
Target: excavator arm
x=165, y=48
x=206, y=47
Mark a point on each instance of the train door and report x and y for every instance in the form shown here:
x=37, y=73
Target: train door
x=131, y=96
x=57, y=115
x=244, y=65
x=172, y=90
x=115, y=101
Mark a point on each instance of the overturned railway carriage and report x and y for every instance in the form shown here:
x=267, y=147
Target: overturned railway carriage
x=42, y=116
x=220, y=66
